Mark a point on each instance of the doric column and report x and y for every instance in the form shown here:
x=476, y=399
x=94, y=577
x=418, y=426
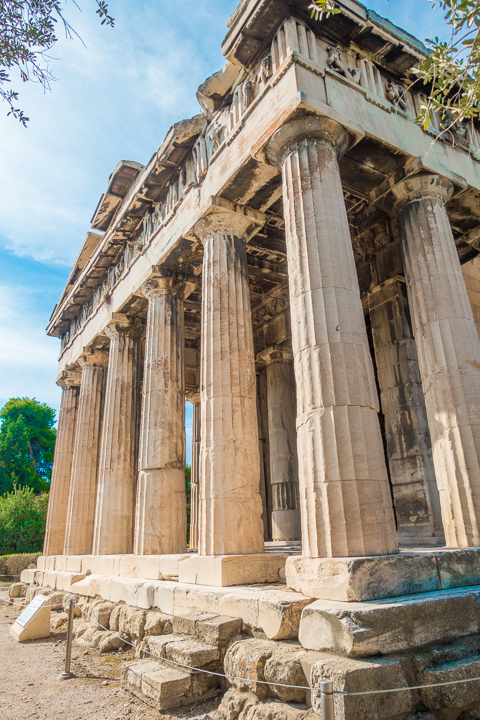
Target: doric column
x=345, y=499
x=161, y=513
x=115, y=508
x=263, y=479
x=409, y=448
x=230, y=503
x=54, y=543
x=448, y=349
x=264, y=449
x=195, y=473
x=282, y=442
x=83, y=486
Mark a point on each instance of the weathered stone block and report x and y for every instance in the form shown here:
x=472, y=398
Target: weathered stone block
x=352, y=676
x=191, y=653
x=386, y=627
x=155, y=623
x=187, y=624
x=219, y=629
x=110, y=642
x=115, y=617
x=158, y=685
x=459, y=568
x=233, y=703
x=100, y=615
x=58, y=620
x=247, y=659
x=17, y=590
x=362, y=578
x=81, y=628
x=28, y=576
x=229, y=570
x=285, y=667
x=157, y=644
x=279, y=615
x=458, y=695
x=151, y=567
x=132, y=621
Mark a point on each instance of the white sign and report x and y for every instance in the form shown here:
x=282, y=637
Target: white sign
x=31, y=610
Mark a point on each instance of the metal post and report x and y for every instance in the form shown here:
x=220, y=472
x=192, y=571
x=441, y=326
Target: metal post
x=67, y=673
x=326, y=700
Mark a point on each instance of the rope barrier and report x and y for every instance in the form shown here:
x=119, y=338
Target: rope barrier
x=261, y=682
x=188, y=667
x=59, y=605
x=295, y=687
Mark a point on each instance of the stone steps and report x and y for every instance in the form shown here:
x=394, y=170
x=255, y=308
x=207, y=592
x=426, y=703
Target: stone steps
x=198, y=640
x=164, y=687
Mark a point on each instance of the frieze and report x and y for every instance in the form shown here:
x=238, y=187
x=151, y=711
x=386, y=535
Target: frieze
x=294, y=42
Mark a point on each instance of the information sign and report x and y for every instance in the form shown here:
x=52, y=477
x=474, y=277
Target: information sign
x=31, y=610
x=34, y=621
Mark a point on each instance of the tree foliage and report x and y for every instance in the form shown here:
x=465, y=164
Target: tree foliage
x=451, y=72
x=27, y=442
x=28, y=31
x=22, y=521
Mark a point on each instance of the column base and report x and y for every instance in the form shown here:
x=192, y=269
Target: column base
x=229, y=570
x=355, y=579
x=286, y=525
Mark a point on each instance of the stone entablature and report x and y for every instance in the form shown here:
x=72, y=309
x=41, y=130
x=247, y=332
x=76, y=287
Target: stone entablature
x=341, y=75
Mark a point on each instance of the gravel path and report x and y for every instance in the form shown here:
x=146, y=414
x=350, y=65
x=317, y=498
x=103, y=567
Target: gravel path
x=29, y=687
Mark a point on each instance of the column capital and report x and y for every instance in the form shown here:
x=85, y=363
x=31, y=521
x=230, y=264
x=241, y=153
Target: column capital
x=304, y=129
x=193, y=396
x=69, y=379
x=223, y=216
x=275, y=354
x=419, y=187
x=93, y=358
x=164, y=280
x=121, y=324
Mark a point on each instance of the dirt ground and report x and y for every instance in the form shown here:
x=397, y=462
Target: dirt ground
x=29, y=687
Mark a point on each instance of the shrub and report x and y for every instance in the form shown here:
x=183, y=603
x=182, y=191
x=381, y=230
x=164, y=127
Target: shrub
x=12, y=565
x=22, y=522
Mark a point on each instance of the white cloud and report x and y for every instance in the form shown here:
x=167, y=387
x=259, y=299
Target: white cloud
x=114, y=99
x=28, y=358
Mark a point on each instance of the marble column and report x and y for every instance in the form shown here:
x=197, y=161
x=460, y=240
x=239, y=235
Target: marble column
x=448, y=349
x=409, y=448
x=282, y=442
x=261, y=451
x=266, y=492
x=115, y=510
x=62, y=464
x=161, y=511
x=230, y=502
x=83, y=485
x=345, y=498
x=195, y=473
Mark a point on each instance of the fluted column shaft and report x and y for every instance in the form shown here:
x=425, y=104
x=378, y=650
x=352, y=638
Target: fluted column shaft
x=345, y=498
x=161, y=514
x=115, y=511
x=409, y=448
x=195, y=474
x=83, y=486
x=282, y=443
x=62, y=465
x=448, y=351
x=230, y=504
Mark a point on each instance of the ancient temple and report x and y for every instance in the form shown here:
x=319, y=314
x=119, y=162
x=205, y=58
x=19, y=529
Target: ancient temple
x=299, y=261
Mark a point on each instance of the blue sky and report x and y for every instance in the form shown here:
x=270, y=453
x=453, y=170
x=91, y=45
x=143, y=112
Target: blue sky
x=114, y=99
